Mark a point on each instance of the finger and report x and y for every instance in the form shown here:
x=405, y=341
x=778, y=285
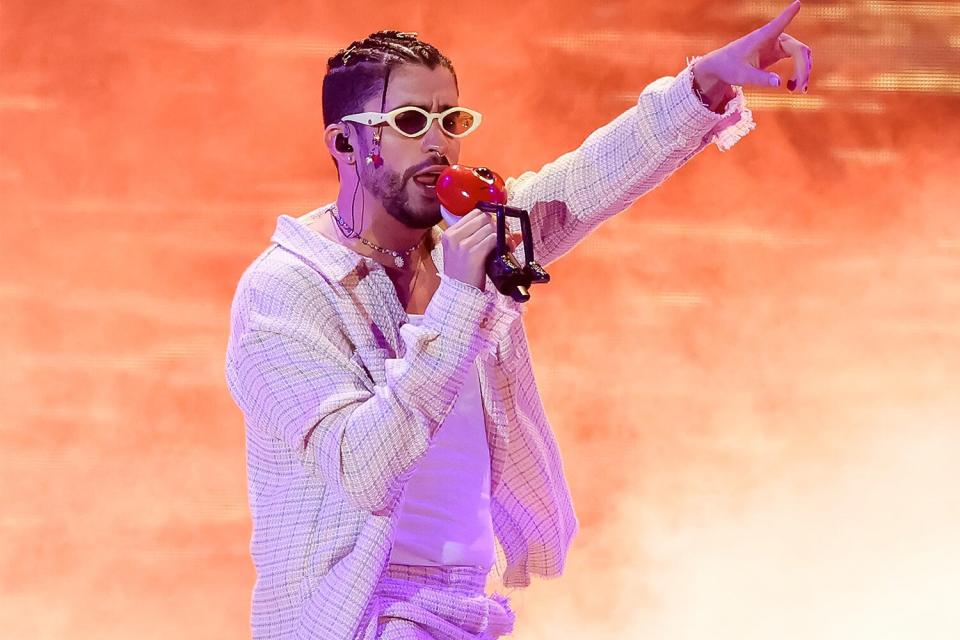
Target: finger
x=478, y=214
x=485, y=246
x=802, y=62
x=750, y=75
x=470, y=215
x=514, y=240
x=470, y=223
x=776, y=26
x=480, y=235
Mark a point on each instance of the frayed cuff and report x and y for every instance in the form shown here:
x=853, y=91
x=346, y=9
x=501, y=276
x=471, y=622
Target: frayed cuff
x=735, y=122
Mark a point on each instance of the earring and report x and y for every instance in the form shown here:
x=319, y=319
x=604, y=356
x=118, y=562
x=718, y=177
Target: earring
x=374, y=157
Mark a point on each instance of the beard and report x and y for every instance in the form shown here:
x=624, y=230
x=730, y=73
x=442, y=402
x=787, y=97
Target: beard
x=390, y=188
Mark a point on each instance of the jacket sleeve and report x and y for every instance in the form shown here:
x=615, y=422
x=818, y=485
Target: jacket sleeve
x=621, y=161
x=361, y=437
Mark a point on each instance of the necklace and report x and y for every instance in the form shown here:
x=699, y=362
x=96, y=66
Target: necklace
x=399, y=257
x=416, y=275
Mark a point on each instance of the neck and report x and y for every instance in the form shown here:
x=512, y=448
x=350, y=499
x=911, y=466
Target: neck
x=381, y=235
x=374, y=224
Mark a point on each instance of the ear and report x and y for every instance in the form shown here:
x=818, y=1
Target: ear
x=342, y=152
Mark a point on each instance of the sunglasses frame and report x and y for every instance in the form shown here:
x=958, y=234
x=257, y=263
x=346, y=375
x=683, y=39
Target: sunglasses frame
x=374, y=118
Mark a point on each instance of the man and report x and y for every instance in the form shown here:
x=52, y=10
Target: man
x=394, y=429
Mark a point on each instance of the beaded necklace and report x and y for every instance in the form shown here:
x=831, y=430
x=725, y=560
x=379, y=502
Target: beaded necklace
x=399, y=257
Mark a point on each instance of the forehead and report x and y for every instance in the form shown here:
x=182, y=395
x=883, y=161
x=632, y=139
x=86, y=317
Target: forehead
x=414, y=84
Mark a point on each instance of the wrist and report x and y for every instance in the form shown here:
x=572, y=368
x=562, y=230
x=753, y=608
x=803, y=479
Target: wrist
x=713, y=92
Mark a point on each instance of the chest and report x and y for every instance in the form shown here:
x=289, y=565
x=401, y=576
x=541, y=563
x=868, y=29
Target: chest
x=416, y=290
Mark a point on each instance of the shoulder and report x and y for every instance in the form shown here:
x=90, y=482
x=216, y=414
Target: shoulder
x=280, y=292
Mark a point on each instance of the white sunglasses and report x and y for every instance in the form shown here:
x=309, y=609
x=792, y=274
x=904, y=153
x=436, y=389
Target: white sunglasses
x=413, y=122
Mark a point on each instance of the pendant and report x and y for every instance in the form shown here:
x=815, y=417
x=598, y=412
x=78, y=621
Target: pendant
x=398, y=260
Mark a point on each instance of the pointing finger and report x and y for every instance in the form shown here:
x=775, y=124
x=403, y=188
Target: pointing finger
x=776, y=26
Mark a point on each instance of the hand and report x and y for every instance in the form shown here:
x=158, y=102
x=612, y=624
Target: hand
x=466, y=245
x=742, y=62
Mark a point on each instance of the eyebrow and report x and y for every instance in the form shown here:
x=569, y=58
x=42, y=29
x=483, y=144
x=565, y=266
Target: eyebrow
x=425, y=107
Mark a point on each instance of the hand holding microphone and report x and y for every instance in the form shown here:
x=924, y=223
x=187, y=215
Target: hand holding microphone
x=463, y=191
x=466, y=245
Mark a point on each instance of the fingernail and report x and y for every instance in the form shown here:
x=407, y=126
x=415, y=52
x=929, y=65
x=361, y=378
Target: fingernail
x=792, y=84
x=774, y=81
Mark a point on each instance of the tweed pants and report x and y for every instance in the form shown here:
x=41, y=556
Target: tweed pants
x=440, y=603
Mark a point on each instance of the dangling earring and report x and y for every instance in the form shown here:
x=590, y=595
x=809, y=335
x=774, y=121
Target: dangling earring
x=374, y=157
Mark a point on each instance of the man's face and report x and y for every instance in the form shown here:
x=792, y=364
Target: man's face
x=392, y=183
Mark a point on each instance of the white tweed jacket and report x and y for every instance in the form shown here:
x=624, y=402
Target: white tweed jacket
x=341, y=395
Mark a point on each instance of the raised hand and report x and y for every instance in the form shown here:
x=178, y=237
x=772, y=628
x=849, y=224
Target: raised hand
x=744, y=61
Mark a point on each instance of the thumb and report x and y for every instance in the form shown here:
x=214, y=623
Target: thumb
x=514, y=240
x=758, y=78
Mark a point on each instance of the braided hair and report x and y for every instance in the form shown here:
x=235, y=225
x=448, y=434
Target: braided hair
x=361, y=71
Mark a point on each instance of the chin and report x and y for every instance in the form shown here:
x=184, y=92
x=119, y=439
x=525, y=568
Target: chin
x=428, y=218
x=422, y=217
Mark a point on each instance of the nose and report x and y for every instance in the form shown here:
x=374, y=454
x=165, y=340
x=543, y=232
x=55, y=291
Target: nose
x=435, y=140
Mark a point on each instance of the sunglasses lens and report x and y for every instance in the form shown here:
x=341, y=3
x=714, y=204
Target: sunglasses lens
x=458, y=122
x=411, y=122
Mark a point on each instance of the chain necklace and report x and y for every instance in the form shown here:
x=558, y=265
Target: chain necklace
x=416, y=276
x=399, y=257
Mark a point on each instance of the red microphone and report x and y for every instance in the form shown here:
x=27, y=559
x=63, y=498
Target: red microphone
x=462, y=189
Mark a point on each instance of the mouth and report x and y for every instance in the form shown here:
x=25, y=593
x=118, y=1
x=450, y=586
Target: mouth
x=427, y=181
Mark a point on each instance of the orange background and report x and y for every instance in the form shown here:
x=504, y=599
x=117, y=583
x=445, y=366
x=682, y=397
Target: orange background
x=753, y=373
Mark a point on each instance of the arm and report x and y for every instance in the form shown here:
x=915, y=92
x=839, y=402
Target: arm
x=675, y=118
x=294, y=384
x=621, y=161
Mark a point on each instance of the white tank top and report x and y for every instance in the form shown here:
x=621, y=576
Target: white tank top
x=445, y=514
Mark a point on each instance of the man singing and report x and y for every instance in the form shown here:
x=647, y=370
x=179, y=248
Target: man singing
x=394, y=430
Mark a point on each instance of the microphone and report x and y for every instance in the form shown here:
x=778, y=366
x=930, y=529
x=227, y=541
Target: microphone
x=462, y=189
